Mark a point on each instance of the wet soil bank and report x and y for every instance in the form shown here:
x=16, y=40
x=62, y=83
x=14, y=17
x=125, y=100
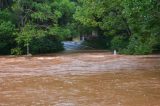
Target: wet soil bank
x=80, y=79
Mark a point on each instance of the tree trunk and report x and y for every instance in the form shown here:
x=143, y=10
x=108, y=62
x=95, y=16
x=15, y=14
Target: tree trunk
x=28, y=49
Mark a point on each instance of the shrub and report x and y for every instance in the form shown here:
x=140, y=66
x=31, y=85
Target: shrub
x=119, y=43
x=6, y=37
x=45, y=44
x=16, y=51
x=140, y=45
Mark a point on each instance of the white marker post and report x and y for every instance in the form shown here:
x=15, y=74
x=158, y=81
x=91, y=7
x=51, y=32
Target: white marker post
x=115, y=52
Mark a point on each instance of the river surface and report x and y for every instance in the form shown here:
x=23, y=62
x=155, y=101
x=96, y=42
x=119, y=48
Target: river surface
x=80, y=79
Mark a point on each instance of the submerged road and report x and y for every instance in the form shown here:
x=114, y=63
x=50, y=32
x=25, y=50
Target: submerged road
x=80, y=79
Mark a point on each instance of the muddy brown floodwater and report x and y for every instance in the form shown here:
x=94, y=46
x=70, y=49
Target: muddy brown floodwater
x=80, y=79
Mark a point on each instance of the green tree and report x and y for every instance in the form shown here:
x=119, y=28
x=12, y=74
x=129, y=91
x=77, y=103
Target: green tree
x=39, y=19
x=6, y=32
x=131, y=25
x=143, y=18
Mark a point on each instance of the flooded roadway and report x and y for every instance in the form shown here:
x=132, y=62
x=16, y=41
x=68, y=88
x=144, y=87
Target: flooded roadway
x=80, y=79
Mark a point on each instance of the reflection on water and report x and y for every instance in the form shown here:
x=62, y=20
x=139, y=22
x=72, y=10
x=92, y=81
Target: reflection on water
x=96, y=79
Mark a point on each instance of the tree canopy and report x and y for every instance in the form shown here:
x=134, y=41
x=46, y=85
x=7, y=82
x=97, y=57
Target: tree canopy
x=129, y=26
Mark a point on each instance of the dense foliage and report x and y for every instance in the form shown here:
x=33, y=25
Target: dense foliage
x=132, y=26
x=39, y=26
x=34, y=26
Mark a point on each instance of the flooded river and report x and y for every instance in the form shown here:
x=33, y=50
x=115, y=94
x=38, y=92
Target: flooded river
x=80, y=79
